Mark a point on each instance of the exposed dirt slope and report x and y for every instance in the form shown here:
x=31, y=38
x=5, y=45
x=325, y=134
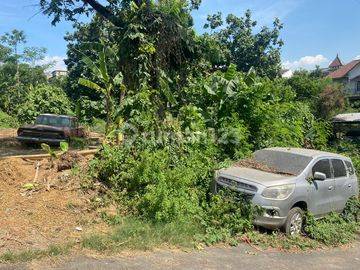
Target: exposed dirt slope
x=7, y=133
x=39, y=209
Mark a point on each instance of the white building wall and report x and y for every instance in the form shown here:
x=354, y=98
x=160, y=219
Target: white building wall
x=351, y=86
x=355, y=72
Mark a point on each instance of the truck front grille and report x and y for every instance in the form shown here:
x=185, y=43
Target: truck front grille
x=42, y=134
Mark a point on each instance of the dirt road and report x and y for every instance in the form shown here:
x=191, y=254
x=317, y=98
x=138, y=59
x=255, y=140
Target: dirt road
x=241, y=257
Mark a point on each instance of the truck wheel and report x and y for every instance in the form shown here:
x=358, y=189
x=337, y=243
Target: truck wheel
x=294, y=221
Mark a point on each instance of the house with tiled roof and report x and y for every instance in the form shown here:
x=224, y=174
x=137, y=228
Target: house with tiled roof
x=335, y=64
x=348, y=75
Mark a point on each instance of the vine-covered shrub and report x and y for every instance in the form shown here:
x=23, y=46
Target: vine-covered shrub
x=44, y=99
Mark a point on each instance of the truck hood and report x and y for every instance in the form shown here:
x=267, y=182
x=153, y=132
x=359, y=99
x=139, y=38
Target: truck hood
x=256, y=176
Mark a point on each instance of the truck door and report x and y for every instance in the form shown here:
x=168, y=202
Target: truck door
x=322, y=193
x=343, y=184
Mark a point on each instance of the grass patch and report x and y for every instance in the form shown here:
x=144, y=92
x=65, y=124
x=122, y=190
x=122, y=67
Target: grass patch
x=135, y=234
x=34, y=254
x=131, y=233
x=332, y=230
x=279, y=240
x=7, y=121
x=223, y=224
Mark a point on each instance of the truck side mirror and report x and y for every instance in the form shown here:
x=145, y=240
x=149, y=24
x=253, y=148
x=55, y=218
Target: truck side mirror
x=319, y=176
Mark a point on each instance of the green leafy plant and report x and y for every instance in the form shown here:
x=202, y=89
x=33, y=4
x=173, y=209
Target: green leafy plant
x=332, y=230
x=351, y=213
x=228, y=216
x=48, y=150
x=7, y=121
x=64, y=147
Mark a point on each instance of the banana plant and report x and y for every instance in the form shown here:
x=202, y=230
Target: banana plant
x=108, y=84
x=64, y=147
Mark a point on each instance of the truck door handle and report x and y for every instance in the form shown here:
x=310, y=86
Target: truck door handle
x=331, y=188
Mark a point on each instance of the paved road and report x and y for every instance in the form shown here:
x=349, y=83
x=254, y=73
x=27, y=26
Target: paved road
x=242, y=257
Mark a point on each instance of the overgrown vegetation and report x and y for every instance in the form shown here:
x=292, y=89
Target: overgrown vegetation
x=332, y=230
x=182, y=105
x=43, y=99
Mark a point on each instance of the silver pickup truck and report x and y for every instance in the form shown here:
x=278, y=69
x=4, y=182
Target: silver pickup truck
x=300, y=180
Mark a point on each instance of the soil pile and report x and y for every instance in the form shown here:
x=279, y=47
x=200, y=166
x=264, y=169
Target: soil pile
x=68, y=160
x=41, y=206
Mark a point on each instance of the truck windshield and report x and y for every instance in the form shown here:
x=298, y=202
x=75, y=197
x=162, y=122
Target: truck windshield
x=56, y=121
x=282, y=162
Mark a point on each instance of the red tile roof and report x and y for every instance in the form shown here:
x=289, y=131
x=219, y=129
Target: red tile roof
x=336, y=62
x=344, y=70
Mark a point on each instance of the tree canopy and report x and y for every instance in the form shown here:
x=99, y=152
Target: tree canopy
x=110, y=10
x=246, y=47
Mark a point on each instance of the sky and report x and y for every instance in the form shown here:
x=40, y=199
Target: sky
x=314, y=30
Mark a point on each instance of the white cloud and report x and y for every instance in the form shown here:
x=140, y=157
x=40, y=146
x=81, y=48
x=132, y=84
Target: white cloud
x=265, y=14
x=55, y=62
x=306, y=62
x=357, y=57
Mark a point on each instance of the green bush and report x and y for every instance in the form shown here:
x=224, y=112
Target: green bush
x=234, y=138
x=332, y=230
x=307, y=87
x=255, y=112
x=44, y=99
x=87, y=110
x=226, y=216
x=7, y=121
x=335, y=229
x=351, y=212
x=162, y=185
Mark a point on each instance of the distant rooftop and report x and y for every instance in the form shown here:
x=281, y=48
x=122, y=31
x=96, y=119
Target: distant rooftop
x=344, y=70
x=336, y=62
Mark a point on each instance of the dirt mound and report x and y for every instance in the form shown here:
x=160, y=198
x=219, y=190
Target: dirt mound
x=10, y=173
x=68, y=160
x=41, y=206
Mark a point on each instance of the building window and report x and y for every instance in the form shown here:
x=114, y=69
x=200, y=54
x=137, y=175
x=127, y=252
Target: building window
x=358, y=86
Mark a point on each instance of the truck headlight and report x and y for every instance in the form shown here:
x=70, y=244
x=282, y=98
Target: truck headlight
x=278, y=192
